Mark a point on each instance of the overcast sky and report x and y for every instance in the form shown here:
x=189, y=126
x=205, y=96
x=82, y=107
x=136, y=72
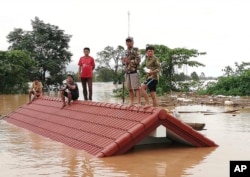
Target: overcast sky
x=219, y=27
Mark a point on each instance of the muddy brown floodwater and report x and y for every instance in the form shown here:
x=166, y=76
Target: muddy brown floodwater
x=25, y=154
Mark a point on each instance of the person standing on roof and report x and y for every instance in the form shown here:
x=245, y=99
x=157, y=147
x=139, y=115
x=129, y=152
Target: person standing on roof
x=152, y=70
x=131, y=61
x=85, y=73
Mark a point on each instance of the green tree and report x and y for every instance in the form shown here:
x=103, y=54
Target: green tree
x=47, y=45
x=233, y=82
x=181, y=77
x=15, y=68
x=239, y=69
x=104, y=74
x=194, y=76
x=230, y=85
x=228, y=71
x=110, y=58
x=171, y=60
x=202, y=76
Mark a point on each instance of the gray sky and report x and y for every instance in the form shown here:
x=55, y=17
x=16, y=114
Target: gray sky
x=219, y=27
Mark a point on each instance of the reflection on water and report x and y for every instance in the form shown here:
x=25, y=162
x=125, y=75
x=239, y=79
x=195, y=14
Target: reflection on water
x=24, y=153
x=159, y=160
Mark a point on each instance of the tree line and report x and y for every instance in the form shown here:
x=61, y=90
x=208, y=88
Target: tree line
x=44, y=52
x=110, y=67
x=234, y=82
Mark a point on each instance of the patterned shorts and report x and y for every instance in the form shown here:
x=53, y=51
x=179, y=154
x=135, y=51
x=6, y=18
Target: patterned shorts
x=132, y=81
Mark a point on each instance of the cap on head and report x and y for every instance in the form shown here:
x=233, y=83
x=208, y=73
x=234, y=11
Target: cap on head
x=129, y=39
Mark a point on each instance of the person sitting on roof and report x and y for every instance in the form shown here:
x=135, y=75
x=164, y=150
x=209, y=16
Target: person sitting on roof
x=70, y=91
x=35, y=90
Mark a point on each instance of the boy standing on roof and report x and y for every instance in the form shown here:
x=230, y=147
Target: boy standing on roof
x=152, y=70
x=132, y=60
x=86, y=66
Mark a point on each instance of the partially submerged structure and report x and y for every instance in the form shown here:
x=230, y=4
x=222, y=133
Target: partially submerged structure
x=102, y=129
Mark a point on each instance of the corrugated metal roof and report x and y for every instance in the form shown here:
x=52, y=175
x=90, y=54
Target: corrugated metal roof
x=101, y=129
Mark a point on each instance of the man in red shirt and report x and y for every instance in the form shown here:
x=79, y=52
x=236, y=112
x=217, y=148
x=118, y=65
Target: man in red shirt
x=85, y=73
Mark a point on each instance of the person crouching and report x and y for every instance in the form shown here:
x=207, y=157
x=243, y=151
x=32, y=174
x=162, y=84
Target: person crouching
x=70, y=91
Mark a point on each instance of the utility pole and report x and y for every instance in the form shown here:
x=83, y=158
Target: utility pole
x=123, y=87
x=128, y=23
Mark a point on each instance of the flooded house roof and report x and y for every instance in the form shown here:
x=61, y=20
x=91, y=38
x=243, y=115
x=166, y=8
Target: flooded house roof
x=101, y=129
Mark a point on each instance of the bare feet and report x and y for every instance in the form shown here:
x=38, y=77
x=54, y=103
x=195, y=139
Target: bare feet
x=70, y=102
x=137, y=105
x=131, y=105
x=63, y=106
x=147, y=106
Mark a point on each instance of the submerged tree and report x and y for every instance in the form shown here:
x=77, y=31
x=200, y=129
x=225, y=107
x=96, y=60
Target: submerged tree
x=47, y=45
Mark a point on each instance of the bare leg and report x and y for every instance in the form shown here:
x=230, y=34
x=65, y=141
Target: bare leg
x=145, y=95
x=131, y=96
x=138, y=96
x=153, y=95
x=63, y=99
x=32, y=96
x=69, y=98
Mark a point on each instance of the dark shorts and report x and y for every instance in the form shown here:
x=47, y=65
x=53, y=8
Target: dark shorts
x=74, y=96
x=151, y=84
